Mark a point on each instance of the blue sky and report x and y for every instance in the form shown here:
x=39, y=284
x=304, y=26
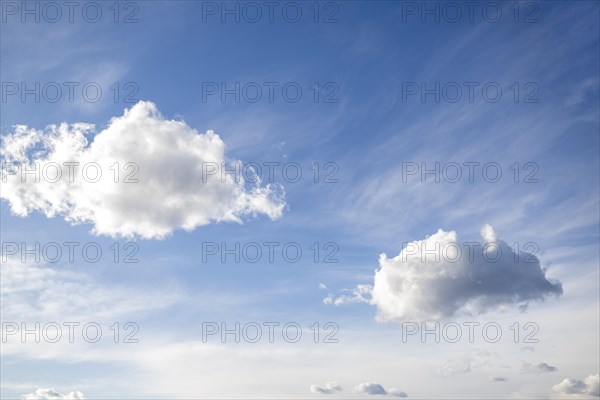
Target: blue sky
x=369, y=55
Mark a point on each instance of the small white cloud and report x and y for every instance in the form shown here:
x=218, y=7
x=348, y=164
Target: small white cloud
x=488, y=234
x=397, y=393
x=51, y=394
x=329, y=388
x=360, y=294
x=370, y=388
x=376, y=389
x=177, y=187
x=322, y=285
x=590, y=386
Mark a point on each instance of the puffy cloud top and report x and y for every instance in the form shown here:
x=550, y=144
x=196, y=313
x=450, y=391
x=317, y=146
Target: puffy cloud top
x=51, y=394
x=377, y=389
x=590, y=386
x=330, y=388
x=439, y=276
x=166, y=176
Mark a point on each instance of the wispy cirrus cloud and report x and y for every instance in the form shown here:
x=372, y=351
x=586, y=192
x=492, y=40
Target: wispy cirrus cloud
x=40, y=292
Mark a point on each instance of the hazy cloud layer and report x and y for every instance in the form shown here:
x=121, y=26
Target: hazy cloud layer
x=37, y=291
x=474, y=359
x=177, y=186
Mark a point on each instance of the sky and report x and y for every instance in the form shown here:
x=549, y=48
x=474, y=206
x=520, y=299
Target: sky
x=300, y=199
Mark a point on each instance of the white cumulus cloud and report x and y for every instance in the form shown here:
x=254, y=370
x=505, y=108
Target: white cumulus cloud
x=377, y=389
x=166, y=176
x=590, y=386
x=51, y=394
x=329, y=388
x=440, y=276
